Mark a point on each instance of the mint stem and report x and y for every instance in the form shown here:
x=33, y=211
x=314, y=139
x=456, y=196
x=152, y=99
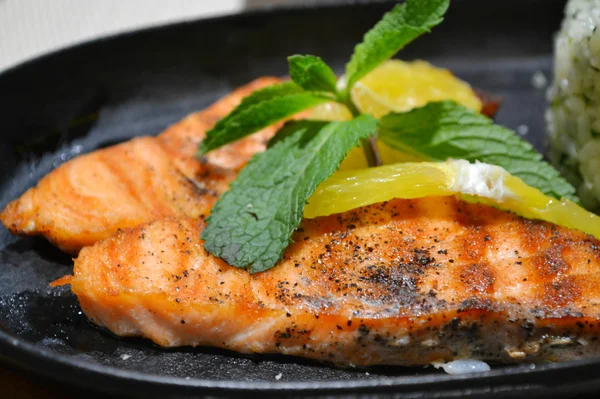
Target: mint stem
x=369, y=146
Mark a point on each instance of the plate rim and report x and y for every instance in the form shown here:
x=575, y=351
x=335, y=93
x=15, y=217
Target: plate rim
x=126, y=377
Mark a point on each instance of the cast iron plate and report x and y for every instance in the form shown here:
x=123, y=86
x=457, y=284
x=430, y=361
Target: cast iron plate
x=106, y=91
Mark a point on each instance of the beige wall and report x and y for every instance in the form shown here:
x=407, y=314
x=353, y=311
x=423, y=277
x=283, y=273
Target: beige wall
x=29, y=28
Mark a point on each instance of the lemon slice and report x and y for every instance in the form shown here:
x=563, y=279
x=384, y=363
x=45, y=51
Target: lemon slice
x=401, y=86
x=397, y=86
x=479, y=182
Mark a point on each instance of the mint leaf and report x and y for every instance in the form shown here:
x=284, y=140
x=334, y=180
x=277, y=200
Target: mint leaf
x=312, y=73
x=404, y=23
x=443, y=130
x=259, y=110
x=252, y=223
x=264, y=94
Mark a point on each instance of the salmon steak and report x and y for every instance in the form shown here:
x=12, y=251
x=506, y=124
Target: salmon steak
x=404, y=282
x=147, y=178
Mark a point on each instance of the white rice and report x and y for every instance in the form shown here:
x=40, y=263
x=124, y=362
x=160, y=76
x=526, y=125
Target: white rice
x=573, y=118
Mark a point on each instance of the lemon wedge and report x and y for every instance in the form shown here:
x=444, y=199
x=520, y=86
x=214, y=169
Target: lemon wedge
x=479, y=182
x=397, y=86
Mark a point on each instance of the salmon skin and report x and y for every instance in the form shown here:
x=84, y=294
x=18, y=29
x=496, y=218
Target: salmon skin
x=405, y=282
x=147, y=178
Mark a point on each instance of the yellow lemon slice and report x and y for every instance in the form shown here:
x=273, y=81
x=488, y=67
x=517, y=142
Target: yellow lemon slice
x=398, y=86
x=401, y=86
x=479, y=182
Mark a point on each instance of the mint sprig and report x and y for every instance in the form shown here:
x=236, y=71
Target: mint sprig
x=442, y=130
x=314, y=82
x=403, y=24
x=252, y=223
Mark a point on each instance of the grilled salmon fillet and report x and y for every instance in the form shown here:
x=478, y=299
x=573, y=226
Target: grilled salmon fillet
x=147, y=178
x=405, y=282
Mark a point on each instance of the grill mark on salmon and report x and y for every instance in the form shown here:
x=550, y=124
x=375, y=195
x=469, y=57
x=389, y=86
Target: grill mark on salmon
x=389, y=283
x=90, y=197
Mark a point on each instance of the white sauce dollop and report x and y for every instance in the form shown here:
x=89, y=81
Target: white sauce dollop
x=465, y=366
x=480, y=179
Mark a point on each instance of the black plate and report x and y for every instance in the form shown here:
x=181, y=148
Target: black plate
x=103, y=92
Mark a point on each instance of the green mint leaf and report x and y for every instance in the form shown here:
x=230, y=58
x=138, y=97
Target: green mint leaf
x=252, y=223
x=259, y=110
x=264, y=94
x=404, y=23
x=443, y=130
x=258, y=96
x=312, y=73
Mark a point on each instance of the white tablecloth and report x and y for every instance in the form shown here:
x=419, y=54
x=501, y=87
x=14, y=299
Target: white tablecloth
x=29, y=28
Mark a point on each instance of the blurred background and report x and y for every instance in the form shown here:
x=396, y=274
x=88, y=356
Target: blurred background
x=29, y=28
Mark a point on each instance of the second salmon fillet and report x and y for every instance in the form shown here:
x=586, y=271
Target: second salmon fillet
x=147, y=178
